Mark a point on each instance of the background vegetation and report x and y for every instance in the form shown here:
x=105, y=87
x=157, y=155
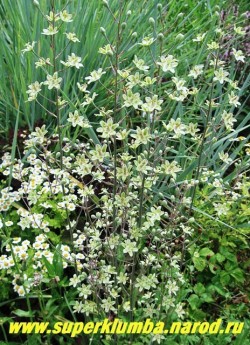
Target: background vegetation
x=215, y=259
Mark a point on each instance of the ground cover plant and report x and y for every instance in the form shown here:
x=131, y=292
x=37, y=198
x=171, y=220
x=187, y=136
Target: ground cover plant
x=124, y=169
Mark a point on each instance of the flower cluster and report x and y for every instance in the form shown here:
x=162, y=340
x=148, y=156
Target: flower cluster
x=103, y=204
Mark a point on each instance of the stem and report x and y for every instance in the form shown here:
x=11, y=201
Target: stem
x=116, y=67
x=200, y=158
x=18, y=271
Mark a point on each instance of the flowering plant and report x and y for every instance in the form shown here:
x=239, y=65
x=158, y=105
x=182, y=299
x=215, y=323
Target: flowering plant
x=105, y=208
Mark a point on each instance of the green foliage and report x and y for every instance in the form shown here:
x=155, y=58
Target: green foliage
x=129, y=195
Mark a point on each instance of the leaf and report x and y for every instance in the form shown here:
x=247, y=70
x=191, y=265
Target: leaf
x=199, y=289
x=49, y=266
x=220, y=290
x=205, y=252
x=225, y=252
x=194, y=301
x=238, y=275
x=55, y=239
x=23, y=313
x=212, y=267
x=243, y=337
x=197, y=314
x=199, y=263
x=207, y=298
x=58, y=264
x=220, y=258
x=224, y=278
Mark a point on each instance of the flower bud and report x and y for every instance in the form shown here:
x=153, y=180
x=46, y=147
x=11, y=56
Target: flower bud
x=160, y=36
x=105, y=3
x=134, y=34
x=36, y=2
x=103, y=31
x=180, y=37
x=123, y=25
x=151, y=21
x=180, y=15
x=129, y=13
x=159, y=7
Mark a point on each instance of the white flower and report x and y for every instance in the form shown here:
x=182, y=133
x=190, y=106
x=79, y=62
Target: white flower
x=199, y=38
x=221, y=209
x=228, y=119
x=126, y=306
x=140, y=64
x=73, y=61
x=168, y=63
x=65, y=16
x=179, y=310
x=146, y=41
x=172, y=287
x=179, y=96
x=158, y=338
x=89, y=99
x=182, y=91
x=176, y=126
x=225, y=157
x=213, y=45
x=238, y=55
x=9, y=223
x=108, y=304
x=132, y=99
x=50, y=31
x=179, y=83
x=78, y=120
x=108, y=129
x=146, y=282
x=196, y=71
x=219, y=31
x=234, y=84
x=29, y=47
x=34, y=90
x=77, y=307
x=148, y=81
x=52, y=17
x=152, y=103
x=123, y=73
x=72, y=37
x=233, y=99
x=220, y=75
x=75, y=118
x=211, y=103
x=192, y=128
x=74, y=281
x=95, y=75
x=82, y=87
x=216, y=62
x=142, y=136
x=130, y=247
x=133, y=80
x=106, y=50
x=42, y=62
x=170, y=168
x=53, y=81
x=238, y=30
